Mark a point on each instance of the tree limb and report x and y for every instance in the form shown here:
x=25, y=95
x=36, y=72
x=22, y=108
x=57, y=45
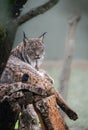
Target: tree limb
x=36, y=11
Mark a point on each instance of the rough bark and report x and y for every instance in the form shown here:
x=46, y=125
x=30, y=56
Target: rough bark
x=69, y=51
x=49, y=115
x=28, y=120
x=13, y=91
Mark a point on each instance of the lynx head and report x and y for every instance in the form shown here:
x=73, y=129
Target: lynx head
x=34, y=48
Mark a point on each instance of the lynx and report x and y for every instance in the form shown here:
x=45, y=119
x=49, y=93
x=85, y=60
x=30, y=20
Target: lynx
x=31, y=50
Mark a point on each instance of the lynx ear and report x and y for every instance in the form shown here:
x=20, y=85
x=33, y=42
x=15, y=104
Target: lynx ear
x=42, y=36
x=25, y=39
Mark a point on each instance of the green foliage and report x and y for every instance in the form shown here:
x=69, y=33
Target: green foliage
x=17, y=122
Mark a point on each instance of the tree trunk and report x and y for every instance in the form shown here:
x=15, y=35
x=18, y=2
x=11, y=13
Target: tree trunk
x=7, y=43
x=69, y=51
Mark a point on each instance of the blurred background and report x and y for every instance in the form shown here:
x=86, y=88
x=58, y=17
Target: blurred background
x=55, y=23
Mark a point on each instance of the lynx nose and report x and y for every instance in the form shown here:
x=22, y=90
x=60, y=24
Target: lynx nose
x=37, y=53
x=37, y=56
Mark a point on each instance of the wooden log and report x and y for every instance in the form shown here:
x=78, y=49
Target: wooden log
x=36, y=84
x=49, y=114
x=11, y=90
x=14, y=72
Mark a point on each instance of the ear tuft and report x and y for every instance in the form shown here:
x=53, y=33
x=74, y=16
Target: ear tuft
x=25, y=39
x=24, y=35
x=42, y=36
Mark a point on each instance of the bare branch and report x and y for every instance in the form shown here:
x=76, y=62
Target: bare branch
x=36, y=11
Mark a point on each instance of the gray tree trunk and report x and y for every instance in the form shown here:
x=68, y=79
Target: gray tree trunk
x=69, y=51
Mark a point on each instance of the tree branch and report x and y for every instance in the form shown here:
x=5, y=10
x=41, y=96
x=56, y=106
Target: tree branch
x=36, y=11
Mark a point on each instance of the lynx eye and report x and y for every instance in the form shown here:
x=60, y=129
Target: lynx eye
x=30, y=52
x=42, y=50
